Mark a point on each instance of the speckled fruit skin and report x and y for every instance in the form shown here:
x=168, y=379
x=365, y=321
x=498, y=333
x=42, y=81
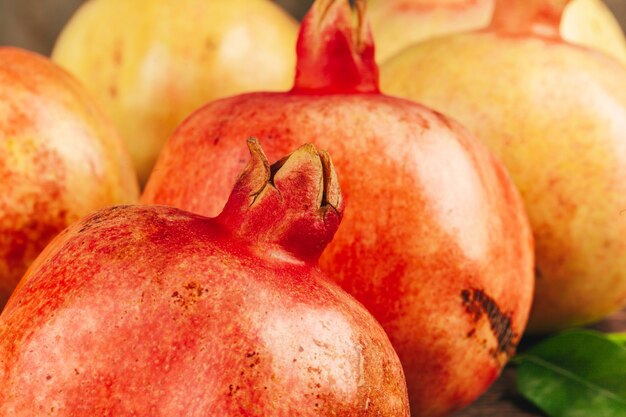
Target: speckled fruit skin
x=556, y=115
x=435, y=242
x=60, y=159
x=399, y=23
x=152, y=62
x=150, y=311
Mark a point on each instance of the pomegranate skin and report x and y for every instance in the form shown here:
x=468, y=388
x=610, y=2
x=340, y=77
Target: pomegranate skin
x=555, y=114
x=412, y=179
x=60, y=159
x=397, y=24
x=152, y=311
x=435, y=241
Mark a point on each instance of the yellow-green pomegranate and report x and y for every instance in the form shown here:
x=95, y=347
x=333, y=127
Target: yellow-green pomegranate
x=555, y=113
x=399, y=23
x=152, y=62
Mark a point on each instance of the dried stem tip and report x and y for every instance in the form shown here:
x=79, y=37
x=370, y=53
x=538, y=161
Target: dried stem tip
x=295, y=203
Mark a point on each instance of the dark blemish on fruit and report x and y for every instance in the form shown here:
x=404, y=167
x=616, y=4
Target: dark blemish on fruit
x=538, y=274
x=48, y=377
x=254, y=359
x=193, y=292
x=478, y=304
x=314, y=370
x=232, y=389
x=471, y=333
x=192, y=287
x=216, y=140
x=179, y=299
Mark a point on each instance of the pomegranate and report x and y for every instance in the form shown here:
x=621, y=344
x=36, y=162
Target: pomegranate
x=60, y=159
x=556, y=115
x=399, y=23
x=435, y=241
x=151, y=311
x=152, y=62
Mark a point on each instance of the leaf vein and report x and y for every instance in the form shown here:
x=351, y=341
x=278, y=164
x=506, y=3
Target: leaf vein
x=562, y=371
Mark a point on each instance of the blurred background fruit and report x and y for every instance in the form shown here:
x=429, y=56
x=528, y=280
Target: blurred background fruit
x=399, y=23
x=60, y=159
x=35, y=24
x=591, y=23
x=156, y=60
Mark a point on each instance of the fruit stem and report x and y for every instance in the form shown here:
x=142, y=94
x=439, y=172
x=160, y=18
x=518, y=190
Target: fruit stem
x=529, y=17
x=336, y=50
x=295, y=203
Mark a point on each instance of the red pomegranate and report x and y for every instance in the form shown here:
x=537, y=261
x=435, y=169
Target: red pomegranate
x=60, y=159
x=151, y=311
x=435, y=241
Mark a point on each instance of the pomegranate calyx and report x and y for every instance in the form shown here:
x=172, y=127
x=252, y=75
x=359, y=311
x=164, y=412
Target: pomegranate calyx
x=336, y=50
x=295, y=203
x=529, y=17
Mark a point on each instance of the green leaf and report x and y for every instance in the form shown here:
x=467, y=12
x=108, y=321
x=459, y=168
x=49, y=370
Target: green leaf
x=619, y=338
x=580, y=373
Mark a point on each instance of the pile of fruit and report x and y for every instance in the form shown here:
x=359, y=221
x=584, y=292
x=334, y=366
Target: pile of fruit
x=330, y=250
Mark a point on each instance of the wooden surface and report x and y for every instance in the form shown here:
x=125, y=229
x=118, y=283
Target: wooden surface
x=502, y=399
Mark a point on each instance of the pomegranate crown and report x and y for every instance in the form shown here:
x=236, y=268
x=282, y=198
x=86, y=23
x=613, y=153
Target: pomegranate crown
x=295, y=203
x=336, y=50
x=529, y=17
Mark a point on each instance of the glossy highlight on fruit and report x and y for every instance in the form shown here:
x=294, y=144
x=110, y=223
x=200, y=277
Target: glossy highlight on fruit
x=152, y=62
x=434, y=242
x=60, y=159
x=151, y=311
x=397, y=24
x=555, y=114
